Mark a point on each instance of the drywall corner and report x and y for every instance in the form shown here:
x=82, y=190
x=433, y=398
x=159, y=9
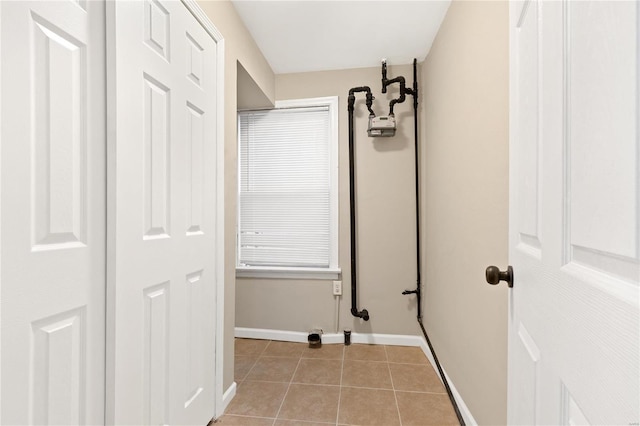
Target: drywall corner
x=249, y=94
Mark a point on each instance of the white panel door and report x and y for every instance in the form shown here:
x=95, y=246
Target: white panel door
x=161, y=277
x=574, y=213
x=53, y=212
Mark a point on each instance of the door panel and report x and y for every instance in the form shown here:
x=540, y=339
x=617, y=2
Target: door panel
x=528, y=356
x=602, y=48
x=53, y=212
x=164, y=161
x=574, y=143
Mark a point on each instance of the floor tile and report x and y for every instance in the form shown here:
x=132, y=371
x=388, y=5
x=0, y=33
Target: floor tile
x=413, y=377
x=289, y=349
x=406, y=355
x=333, y=351
x=368, y=407
x=417, y=409
x=249, y=347
x=311, y=403
x=318, y=371
x=366, y=374
x=301, y=423
x=231, y=420
x=365, y=353
x=242, y=366
x=273, y=369
x=258, y=399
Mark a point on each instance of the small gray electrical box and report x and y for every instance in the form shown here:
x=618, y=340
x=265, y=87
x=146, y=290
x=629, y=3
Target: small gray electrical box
x=383, y=125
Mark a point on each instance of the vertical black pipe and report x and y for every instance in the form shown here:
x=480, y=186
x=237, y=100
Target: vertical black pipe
x=352, y=213
x=364, y=314
x=417, y=173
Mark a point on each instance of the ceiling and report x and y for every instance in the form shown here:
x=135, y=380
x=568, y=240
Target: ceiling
x=308, y=35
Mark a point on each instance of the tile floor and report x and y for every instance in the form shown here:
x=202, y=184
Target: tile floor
x=290, y=384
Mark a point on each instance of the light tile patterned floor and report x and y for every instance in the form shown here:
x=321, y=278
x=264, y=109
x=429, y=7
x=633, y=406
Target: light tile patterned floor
x=290, y=384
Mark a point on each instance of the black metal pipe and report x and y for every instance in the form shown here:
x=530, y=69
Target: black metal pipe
x=417, y=184
x=364, y=314
x=414, y=92
x=403, y=92
x=387, y=82
x=384, y=76
x=352, y=98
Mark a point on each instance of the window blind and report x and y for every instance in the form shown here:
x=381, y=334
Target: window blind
x=284, y=188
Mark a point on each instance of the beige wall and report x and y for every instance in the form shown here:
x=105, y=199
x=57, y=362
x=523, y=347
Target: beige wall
x=465, y=197
x=386, y=222
x=239, y=48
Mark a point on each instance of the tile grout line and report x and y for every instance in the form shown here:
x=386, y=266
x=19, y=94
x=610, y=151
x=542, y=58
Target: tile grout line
x=255, y=362
x=248, y=416
x=299, y=383
x=265, y=348
x=340, y=387
x=251, y=369
x=288, y=387
x=393, y=386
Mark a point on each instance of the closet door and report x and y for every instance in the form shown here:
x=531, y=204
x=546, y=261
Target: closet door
x=52, y=235
x=161, y=344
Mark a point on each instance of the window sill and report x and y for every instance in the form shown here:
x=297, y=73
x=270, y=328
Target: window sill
x=288, y=273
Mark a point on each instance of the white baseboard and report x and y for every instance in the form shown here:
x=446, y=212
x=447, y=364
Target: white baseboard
x=228, y=395
x=329, y=338
x=259, y=333
x=464, y=410
x=372, y=339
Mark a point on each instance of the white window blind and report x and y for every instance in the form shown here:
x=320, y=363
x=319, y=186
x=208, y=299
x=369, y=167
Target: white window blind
x=285, y=202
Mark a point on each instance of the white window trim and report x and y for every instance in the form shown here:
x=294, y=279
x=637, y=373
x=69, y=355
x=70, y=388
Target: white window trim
x=333, y=271
x=288, y=273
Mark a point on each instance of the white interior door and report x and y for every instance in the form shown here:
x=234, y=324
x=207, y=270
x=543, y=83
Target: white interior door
x=53, y=212
x=574, y=213
x=161, y=272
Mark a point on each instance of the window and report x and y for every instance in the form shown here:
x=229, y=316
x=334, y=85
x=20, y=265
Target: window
x=288, y=190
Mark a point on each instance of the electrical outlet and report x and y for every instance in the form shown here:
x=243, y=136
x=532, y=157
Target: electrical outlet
x=337, y=288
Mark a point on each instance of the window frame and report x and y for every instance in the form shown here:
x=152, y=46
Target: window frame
x=333, y=271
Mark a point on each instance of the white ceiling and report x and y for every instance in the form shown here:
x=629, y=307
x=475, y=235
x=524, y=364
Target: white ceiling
x=308, y=35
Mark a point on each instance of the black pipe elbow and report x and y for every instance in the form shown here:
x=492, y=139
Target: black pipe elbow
x=393, y=102
x=364, y=314
x=359, y=89
x=352, y=98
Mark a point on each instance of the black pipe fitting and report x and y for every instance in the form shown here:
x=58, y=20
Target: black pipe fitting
x=369, y=103
x=364, y=314
x=403, y=92
x=355, y=90
x=403, y=89
x=352, y=98
x=384, y=76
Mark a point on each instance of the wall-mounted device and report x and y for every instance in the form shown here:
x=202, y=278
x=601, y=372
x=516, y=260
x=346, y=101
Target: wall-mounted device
x=383, y=125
